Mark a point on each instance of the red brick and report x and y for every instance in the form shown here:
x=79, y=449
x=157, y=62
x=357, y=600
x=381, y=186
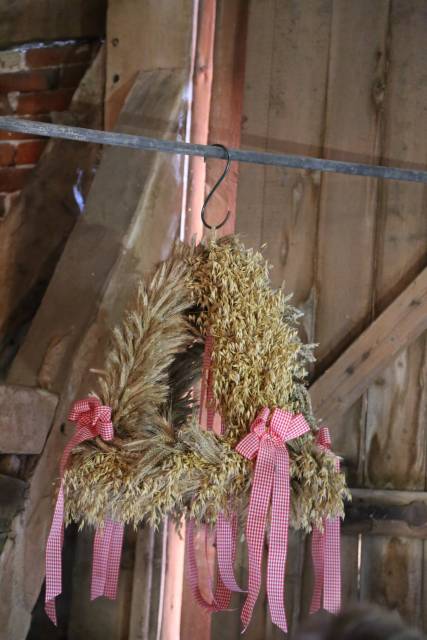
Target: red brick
x=44, y=101
x=13, y=135
x=14, y=178
x=29, y=152
x=71, y=74
x=27, y=81
x=55, y=55
x=7, y=154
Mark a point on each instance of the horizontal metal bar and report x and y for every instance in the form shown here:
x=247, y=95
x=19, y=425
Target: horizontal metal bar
x=78, y=134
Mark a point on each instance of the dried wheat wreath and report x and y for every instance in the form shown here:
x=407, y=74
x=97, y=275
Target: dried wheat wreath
x=161, y=463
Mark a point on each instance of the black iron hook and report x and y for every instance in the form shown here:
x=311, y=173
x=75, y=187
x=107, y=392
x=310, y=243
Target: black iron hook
x=226, y=170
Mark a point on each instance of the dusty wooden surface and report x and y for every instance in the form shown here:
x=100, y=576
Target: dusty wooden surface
x=25, y=21
x=387, y=512
x=141, y=34
x=26, y=416
x=352, y=373
x=101, y=618
x=200, y=109
x=390, y=573
x=341, y=80
x=334, y=81
x=396, y=418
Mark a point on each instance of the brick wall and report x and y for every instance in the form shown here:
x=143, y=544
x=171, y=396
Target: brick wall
x=36, y=80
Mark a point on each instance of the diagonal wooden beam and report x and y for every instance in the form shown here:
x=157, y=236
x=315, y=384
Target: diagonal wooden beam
x=26, y=416
x=347, y=379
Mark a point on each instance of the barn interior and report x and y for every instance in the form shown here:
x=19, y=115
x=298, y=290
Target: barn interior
x=83, y=219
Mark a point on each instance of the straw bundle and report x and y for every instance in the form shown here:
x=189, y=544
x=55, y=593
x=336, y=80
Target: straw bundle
x=161, y=463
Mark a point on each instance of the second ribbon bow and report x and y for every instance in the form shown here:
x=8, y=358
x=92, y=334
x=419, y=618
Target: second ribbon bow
x=267, y=440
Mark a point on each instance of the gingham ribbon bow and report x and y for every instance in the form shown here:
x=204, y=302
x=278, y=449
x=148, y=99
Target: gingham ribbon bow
x=326, y=552
x=92, y=419
x=271, y=481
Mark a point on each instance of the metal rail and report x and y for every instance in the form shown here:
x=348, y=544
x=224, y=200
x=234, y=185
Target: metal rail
x=79, y=134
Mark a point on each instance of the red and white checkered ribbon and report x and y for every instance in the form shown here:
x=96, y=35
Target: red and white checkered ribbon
x=226, y=542
x=92, y=419
x=271, y=481
x=326, y=552
x=107, y=551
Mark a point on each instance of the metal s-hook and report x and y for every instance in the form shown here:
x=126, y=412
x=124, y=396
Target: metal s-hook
x=226, y=170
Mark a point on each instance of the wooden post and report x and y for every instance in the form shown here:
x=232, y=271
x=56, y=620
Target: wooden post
x=219, y=121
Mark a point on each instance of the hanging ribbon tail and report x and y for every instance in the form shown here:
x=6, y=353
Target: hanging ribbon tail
x=92, y=419
x=332, y=569
x=318, y=556
x=326, y=552
x=107, y=551
x=226, y=539
x=255, y=526
x=54, y=558
x=278, y=546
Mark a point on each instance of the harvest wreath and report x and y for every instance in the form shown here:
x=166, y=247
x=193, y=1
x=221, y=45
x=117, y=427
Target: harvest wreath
x=209, y=312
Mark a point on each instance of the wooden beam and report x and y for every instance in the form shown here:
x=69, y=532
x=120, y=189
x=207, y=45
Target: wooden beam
x=221, y=45
x=346, y=380
x=26, y=416
x=142, y=36
x=225, y=120
x=25, y=20
x=200, y=109
x=387, y=512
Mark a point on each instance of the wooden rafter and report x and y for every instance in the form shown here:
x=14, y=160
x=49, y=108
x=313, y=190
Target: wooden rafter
x=347, y=379
x=26, y=416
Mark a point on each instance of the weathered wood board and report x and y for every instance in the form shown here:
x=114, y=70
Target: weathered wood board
x=396, y=432
x=143, y=36
x=390, y=575
x=26, y=416
x=344, y=80
x=26, y=21
x=404, y=320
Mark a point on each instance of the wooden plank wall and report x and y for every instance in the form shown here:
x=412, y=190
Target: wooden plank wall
x=345, y=80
